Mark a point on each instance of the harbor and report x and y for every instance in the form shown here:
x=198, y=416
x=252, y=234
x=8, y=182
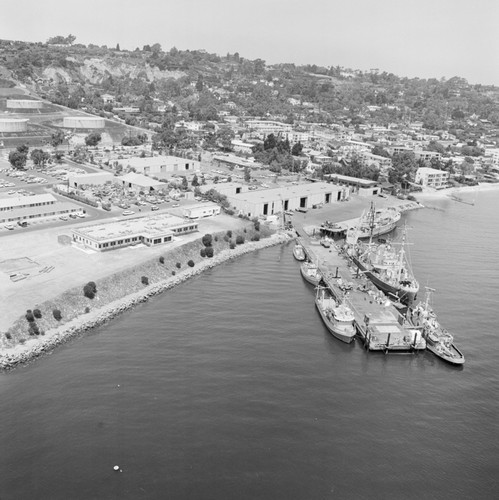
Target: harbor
x=383, y=317
x=380, y=325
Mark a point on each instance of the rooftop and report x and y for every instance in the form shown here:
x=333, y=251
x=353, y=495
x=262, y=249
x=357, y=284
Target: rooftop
x=144, y=226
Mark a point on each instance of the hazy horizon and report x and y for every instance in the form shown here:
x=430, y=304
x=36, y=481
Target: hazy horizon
x=412, y=38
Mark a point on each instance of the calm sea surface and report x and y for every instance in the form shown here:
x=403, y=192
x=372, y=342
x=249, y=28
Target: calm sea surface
x=230, y=387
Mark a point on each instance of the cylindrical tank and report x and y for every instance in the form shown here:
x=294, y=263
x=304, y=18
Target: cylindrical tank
x=13, y=125
x=24, y=104
x=83, y=122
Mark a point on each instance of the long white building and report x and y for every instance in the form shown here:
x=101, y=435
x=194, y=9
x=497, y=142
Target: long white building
x=150, y=231
x=274, y=200
x=161, y=165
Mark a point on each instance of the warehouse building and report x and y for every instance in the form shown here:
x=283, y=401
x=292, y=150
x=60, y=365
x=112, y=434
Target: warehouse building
x=296, y=197
x=139, y=182
x=162, y=165
x=93, y=178
x=150, y=231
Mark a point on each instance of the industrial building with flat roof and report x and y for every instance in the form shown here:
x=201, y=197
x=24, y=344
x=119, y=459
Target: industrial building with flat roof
x=150, y=231
x=162, y=165
x=296, y=197
x=26, y=208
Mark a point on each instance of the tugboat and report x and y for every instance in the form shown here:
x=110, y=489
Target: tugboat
x=438, y=340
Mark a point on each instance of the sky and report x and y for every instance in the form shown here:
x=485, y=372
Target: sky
x=413, y=38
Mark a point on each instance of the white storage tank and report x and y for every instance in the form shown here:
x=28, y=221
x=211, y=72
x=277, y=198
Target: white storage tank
x=83, y=122
x=13, y=125
x=24, y=104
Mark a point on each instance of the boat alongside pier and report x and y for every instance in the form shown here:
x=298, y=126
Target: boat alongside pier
x=380, y=325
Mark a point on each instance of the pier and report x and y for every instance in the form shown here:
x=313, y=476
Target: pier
x=379, y=323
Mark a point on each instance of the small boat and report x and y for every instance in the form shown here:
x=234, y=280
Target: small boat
x=299, y=252
x=311, y=273
x=337, y=317
x=438, y=340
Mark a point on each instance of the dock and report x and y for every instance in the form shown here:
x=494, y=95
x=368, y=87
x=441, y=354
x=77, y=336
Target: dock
x=380, y=325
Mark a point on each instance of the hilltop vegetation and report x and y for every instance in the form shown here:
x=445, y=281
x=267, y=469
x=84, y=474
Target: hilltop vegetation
x=198, y=85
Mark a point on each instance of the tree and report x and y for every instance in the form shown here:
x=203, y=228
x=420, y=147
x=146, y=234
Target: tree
x=195, y=181
x=18, y=159
x=93, y=139
x=225, y=135
x=39, y=157
x=200, y=84
x=297, y=149
x=185, y=184
x=247, y=174
x=57, y=138
x=118, y=47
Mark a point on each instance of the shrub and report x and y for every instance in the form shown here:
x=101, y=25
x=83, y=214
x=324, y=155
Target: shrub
x=87, y=310
x=8, y=336
x=178, y=265
x=226, y=238
x=173, y=273
x=161, y=260
x=232, y=245
x=191, y=263
x=229, y=233
x=144, y=280
x=239, y=240
x=33, y=329
x=209, y=252
x=207, y=240
x=256, y=237
x=90, y=289
x=37, y=313
x=244, y=229
x=257, y=225
x=57, y=314
x=202, y=252
x=216, y=238
x=30, y=316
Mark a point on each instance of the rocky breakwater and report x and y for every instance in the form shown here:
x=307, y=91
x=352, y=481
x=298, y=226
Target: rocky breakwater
x=39, y=346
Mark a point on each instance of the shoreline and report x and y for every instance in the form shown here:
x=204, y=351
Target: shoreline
x=34, y=348
x=444, y=193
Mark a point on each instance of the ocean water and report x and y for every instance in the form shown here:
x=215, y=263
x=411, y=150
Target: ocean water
x=231, y=387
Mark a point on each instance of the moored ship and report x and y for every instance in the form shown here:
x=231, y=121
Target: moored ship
x=438, y=340
x=338, y=317
x=310, y=273
x=386, y=267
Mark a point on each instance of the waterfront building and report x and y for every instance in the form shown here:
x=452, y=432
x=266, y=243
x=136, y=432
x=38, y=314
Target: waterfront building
x=150, y=231
x=431, y=177
x=362, y=187
x=296, y=197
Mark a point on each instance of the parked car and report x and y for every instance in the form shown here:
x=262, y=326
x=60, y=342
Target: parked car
x=63, y=217
x=22, y=223
x=154, y=207
x=10, y=227
x=128, y=212
x=175, y=205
